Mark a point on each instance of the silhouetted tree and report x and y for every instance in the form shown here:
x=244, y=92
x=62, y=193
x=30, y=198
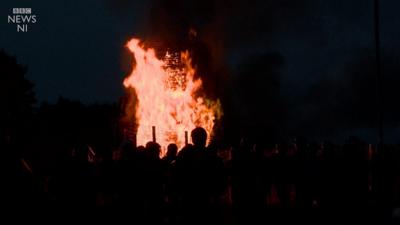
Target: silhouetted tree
x=16, y=95
x=17, y=99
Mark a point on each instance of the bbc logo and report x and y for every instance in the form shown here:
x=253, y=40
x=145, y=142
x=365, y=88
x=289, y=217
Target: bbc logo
x=22, y=10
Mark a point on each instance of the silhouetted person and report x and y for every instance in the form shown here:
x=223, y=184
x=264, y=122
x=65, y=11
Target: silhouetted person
x=125, y=176
x=168, y=164
x=241, y=161
x=354, y=180
x=172, y=151
x=140, y=148
x=74, y=184
x=385, y=172
x=17, y=184
x=169, y=185
x=200, y=177
x=151, y=173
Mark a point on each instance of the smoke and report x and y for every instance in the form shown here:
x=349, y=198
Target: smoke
x=348, y=103
x=222, y=28
x=259, y=104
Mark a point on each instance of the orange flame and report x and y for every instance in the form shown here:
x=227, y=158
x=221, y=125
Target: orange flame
x=166, y=91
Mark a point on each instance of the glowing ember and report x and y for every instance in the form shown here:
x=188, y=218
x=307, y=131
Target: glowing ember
x=166, y=93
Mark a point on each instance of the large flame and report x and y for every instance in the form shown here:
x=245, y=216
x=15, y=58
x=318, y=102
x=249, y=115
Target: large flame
x=166, y=92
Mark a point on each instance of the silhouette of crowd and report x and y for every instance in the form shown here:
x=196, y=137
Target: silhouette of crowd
x=247, y=184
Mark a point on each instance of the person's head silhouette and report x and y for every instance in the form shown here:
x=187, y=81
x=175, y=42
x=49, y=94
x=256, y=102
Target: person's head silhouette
x=172, y=150
x=153, y=148
x=199, y=137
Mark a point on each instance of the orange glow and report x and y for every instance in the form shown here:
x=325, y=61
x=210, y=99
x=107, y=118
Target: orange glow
x=167, y=96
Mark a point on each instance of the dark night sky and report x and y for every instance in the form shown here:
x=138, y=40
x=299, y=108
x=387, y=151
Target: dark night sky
x=76, y=48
